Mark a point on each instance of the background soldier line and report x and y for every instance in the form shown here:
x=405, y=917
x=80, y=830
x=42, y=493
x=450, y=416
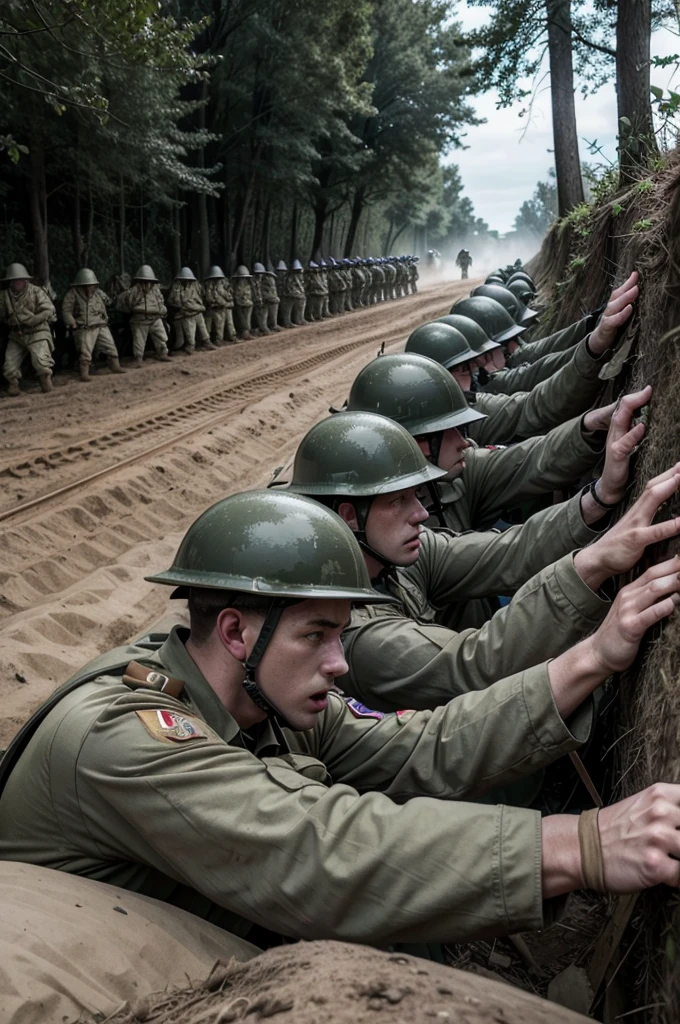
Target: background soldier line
x=217, y=311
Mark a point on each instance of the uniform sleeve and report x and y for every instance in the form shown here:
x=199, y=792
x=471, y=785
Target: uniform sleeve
x=495, y=480
x=67, y=308
x=525, y=377
x=396, y=662
x=570, y=391
x=560, y=341
x=303, y=858
x=43, y=311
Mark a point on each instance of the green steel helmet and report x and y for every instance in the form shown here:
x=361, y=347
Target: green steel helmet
x=84, y=277
x=494, y=279
x=493, y=318
x=214, y=272
x=359, y=454
x=185, y=274
x=413, y=390
x=519, y=311
x=145, y=273
x=271, y=543
x=17, y=272
x=477, y=339
x=281, y=265
x=521, y=275
x=296, y=265
x=441, y=342
x=259, y=269
x=522, y=291
x=242, y=271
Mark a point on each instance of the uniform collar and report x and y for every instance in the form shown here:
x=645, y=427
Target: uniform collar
x=264, y=738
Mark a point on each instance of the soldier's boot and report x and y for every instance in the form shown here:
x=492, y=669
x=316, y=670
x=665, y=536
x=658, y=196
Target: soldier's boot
x=163, y=357
x=209, y=346
x=14, y=390
x=46, y=382
x=113, y=364
x=247, y=336
x=264, y=331
x=137, y=363
x=84, y=368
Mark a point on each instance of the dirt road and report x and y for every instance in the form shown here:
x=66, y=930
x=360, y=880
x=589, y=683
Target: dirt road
x=99, y=482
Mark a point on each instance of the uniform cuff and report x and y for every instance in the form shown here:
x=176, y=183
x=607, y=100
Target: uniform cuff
x=517, y=869
x=554, y=735
x=581, y=533
x=584, y=601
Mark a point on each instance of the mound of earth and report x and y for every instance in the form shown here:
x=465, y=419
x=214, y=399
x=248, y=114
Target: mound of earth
x=339, y=983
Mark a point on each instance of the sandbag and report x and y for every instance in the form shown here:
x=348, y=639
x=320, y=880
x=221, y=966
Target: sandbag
x=73, y=949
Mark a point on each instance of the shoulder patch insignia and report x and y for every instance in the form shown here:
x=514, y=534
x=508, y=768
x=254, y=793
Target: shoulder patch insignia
x=170, y=727
x=404, y=716
x=495, y=447
x=360, y=710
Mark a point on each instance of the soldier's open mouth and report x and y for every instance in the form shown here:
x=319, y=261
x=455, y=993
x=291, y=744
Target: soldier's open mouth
x=320, y=699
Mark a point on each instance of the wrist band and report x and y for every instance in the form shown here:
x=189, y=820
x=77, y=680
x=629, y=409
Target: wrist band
x=592, y=865
x=598, y=501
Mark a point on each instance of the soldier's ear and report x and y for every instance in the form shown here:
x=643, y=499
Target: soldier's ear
x=348, y=515
x=230, y=627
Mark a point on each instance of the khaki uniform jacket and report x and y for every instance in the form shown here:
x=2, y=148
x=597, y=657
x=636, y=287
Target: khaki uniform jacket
x=314, y=283
x=185, y=300
x=218, y=294
x=256, y=287
x=79, y=311
x=294, y=285
x=243, y=292
x=527, y=376
x=145, y=307
x=354, y=830
x=390, y=272
x=29, y=312
x=558, y=342
x=336, y=282
x=268, y=286
x=571, y=390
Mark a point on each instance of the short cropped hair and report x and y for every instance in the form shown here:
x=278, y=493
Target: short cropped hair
x=205, y=605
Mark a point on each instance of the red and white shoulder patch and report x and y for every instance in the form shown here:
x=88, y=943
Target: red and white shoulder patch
x=171, y=727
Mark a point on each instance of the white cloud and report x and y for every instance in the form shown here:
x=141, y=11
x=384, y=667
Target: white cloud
x=506, y=158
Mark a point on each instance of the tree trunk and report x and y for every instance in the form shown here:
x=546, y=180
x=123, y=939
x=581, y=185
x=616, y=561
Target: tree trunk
x=38, y=208
x=202, y=225
x=90, y=227
x=565, y=136
x=121, y=237
x=358, y=204
x=141, y=221
x=293, y=232
x=637, y=142
x=265, y=238
x=320, y=214
x=76, y=230
x=176, y=240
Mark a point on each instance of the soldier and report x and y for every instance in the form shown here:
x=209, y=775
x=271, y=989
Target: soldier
x=358, y=277
x=270, y=298
x=144, y=301
x=377, y=282
x=281, y=271
x=243, y=301
x=314, y=290
x=219, y=301
x=413, y=273
x=293, y=297
x=84, y=312
x=323, y=274
x=424, y=398
x=336, y=287
x=186, y=300
x=259, y=307
x=27, y=310
x=464, y=261
x=370, y=470
x=402, y=277
x=346, y=271
x=222, y=772
x=390, y=271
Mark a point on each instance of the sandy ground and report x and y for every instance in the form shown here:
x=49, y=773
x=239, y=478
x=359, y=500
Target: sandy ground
x=72, y=566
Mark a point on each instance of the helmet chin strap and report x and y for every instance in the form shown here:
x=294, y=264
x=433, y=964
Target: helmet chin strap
x=271, y=621
x=362, y=507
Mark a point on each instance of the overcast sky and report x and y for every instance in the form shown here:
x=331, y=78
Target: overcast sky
x=498, y=170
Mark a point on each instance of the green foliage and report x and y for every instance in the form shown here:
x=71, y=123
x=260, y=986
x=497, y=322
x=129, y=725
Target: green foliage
x=538, y=213
x=643, y=225
x=579, y=219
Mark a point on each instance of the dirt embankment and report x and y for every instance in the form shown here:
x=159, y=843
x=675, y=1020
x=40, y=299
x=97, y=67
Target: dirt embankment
x=136, y=460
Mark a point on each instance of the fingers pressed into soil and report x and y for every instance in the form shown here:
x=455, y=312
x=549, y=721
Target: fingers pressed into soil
x=71, y=576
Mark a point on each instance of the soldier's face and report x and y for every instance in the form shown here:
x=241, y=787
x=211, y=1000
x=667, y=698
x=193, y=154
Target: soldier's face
x=90, y=289
x=491, y=361
x=303, y=659
x=393, y=526
x=18, y=286
x=452, y=452
x=512, y=346
x=462, y=373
